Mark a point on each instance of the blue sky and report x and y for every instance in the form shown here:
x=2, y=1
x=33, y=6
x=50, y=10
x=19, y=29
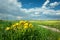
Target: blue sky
x=35, y=3
x=30, y=9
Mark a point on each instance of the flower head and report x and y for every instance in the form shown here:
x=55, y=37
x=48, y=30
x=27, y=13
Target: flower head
x=25, y=27
x=13, y=25
x=22, y=22
x=26, y=24
x=17, y=24
x=30, y=25
x=8, y=28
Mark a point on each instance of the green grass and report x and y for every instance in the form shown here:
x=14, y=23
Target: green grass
x=36, y=33
x=50, y=23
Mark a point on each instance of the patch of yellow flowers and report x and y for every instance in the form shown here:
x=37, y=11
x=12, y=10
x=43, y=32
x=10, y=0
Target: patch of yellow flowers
x=23, y=24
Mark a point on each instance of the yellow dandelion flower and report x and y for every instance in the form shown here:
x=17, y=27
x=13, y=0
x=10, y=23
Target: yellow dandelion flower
x=13, y=25
x=25, y=27
x=17, y=24
x=26, y=24
x=8, y=28
x=22, y=22
x=30, y=25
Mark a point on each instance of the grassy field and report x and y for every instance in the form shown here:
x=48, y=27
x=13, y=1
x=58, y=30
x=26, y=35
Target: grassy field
x=49, y=23
x=21, y=32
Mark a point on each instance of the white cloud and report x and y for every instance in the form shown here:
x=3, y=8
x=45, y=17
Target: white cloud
x=51, y=12
x=10, y=8
x=13, y=9
x=34, y=15
x=54, y=4
x=44, y=5
x=9, y=4
x=37, y=11
x=14, y=2
x=19, y=17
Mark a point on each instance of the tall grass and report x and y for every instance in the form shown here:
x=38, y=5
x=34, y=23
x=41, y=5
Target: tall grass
x=34, y=33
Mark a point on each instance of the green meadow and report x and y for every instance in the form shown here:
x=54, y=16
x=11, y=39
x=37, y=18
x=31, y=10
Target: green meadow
x=49, y=23
x=34, y=33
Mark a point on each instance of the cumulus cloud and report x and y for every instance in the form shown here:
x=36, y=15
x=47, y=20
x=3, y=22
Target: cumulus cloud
x=11, y=9
x=44, y=5
x=43, y=10
x=54, y=4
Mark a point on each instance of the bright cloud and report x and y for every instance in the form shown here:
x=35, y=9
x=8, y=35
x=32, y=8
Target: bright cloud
x=44, y=5
x=11, y=9
x=54, y=4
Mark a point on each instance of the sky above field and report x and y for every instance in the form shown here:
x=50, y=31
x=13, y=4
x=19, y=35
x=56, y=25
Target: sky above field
x=30, y=9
